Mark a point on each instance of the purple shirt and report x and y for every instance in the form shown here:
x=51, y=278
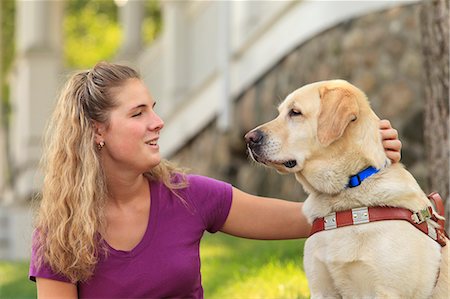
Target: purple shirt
x=166, y=262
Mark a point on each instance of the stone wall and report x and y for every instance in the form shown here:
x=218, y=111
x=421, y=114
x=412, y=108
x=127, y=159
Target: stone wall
x=380, y=53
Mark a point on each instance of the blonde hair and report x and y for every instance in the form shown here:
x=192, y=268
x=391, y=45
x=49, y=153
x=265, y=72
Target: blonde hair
x=70, y=218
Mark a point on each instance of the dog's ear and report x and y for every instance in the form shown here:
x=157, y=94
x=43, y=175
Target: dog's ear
x=338, y=108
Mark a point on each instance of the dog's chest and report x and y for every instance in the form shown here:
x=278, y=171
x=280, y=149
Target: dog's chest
x=367, y=256
x=339, y=246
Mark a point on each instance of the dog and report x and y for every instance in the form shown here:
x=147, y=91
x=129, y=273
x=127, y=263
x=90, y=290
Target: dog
x=327, y=135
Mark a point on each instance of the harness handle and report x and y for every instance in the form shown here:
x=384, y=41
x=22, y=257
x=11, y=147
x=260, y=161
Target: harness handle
x=438, y=204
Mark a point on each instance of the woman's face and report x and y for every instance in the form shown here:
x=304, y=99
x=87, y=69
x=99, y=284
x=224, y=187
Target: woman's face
x=131, y=137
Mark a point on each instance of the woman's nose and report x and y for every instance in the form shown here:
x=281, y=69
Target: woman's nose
x=156, y=123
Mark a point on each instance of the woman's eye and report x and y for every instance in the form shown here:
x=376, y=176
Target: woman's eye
x=295, y=112
x=137, y=114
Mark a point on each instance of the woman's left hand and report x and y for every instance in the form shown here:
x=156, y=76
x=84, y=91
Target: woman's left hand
x=392, y=145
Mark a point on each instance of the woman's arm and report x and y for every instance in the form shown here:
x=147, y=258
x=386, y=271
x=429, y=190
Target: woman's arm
x=264, y=218
x=48, y=288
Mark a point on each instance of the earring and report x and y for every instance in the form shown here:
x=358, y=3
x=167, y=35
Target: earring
x=100, y=145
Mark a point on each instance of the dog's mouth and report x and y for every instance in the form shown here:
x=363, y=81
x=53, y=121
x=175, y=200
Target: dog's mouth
x=263, y=160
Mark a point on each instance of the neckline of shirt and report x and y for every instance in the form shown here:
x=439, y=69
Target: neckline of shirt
x=151, y=226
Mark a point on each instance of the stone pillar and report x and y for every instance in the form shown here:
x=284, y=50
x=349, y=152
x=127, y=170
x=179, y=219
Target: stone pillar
x=131, y=14
x=34, y=85
x=224, y=56
x=176, y=54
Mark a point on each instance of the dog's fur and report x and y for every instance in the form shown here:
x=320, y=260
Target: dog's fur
x=328, y=132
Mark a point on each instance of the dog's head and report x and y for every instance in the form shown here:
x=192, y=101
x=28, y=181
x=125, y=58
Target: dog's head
x=318, y=123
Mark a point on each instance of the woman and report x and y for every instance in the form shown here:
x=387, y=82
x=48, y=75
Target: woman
x=115, y=220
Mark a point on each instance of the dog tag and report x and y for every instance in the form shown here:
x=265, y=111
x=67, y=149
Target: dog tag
x=360, y=215
x=330, y=221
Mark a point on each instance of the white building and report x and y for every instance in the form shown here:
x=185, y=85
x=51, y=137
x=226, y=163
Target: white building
x=209, y=52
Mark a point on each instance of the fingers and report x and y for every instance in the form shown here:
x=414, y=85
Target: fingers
x=393, y=149
x=385, y=124
x=392, y=145
x=394, y=156
x=387, y=132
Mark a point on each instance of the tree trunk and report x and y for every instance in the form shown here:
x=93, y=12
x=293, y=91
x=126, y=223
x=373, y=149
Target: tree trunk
x=435, y=22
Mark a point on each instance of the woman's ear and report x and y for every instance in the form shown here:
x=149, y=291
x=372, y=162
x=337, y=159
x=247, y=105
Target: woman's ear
x=99, y=131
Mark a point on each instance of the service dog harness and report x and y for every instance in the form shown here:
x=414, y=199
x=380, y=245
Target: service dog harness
x=371, y=214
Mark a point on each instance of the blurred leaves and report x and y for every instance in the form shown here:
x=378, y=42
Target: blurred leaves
x=152, y=24
x=91, y=32
x=7, y=11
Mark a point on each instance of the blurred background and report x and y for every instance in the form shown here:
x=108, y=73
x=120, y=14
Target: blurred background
x=217, y=69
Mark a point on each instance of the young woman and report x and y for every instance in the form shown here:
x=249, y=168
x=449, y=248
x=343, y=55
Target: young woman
x=117, y=221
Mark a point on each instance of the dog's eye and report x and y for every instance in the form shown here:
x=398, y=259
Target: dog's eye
x=295, y=112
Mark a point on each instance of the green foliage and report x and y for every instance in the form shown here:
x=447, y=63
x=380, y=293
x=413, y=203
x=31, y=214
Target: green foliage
x=14, y=281
x=152, y=24
x=91, y=32
x=7, y=11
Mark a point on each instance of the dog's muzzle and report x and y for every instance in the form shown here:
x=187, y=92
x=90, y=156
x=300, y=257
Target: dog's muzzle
x=254, y=140
x=258, y=146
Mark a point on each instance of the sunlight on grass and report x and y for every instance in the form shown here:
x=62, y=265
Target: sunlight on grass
x=215, y=251
x=8, y=273
x=273, y=280
x=239, y=268
x=14, y=281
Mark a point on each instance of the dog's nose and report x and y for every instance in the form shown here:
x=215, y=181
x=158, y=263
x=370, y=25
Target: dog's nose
x=254, y=137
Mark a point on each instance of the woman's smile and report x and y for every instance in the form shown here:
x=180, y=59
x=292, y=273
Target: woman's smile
x=153, y=143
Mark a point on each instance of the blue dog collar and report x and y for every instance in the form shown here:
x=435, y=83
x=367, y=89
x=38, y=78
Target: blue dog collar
x=356, y=180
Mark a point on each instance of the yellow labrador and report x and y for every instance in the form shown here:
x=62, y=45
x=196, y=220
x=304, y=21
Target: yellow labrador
x=374, y=231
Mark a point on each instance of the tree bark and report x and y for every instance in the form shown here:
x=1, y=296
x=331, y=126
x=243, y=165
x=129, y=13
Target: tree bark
x=434, y=16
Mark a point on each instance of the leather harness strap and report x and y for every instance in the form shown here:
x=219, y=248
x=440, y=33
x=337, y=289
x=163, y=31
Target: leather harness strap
x=371, y=214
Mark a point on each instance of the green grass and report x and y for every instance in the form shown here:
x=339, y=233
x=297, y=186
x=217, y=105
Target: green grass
x=239, y=268
x=14, y=281
x=232, y=268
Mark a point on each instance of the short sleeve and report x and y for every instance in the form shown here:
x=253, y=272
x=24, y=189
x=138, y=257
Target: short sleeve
x=212, y=199
x=44, y=271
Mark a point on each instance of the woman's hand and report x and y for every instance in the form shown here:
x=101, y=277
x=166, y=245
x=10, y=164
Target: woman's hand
x=392, y=145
